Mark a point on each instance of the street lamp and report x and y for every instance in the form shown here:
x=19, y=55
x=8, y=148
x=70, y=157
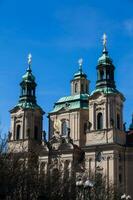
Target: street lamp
x=83, y=186
x=127, y=197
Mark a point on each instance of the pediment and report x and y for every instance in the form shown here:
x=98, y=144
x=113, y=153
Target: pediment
x=97, y=95
x=15, y=109
x=63, y=110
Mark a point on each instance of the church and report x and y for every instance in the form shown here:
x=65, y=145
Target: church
x=91, y=122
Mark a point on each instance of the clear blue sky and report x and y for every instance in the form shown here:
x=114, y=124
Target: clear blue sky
x=58, y=33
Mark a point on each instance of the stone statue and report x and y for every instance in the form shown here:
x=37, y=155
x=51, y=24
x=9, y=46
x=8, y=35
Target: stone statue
x=57, y=125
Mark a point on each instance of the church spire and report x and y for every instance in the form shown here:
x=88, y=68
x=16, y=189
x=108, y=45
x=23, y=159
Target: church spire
x=105, y=68
x=80, y=72
x=26, y=116
x=79, y=84
x=28, y=86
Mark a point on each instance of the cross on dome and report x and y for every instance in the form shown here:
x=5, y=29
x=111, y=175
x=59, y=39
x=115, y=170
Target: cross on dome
x=80, y=62
x=104, y=39
x=29, y=59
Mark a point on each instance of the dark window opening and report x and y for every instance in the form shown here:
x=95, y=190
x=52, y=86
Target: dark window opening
x=85, y=127
x=42, y=167
x=86, y=88
x=118, y=121
x=28, y=133
x=101, y=74
x=108, y=75
x=23, y=91
x=29, y=91
x=36, y=133
x=82, y=88
x=76, y=87
x=64, y=128
x=120, y=178
x=18, y=132
x=55, y=176
x=32, y=92
x=99, y=121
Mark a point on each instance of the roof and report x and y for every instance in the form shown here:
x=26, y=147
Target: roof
x=107, y=90
x=73, y=98
x=105, y=59
x=80, y=74
x=28, y=76
x=79, y=101
x=27, y=105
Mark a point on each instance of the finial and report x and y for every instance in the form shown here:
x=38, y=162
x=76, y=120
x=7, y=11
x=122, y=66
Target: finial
x=104, y=38
x=29, y=59
x=80, y=62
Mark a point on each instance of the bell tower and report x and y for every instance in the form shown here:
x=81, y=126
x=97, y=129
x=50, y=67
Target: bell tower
x=69, y=116
x=105, y=70
x=106, y=104
x=80, y=83
x=26, y=116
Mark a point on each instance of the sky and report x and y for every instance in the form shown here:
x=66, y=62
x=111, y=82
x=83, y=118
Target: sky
x=57, y=33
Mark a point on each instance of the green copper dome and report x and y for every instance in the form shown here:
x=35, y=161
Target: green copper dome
x=80, y=72
x=105, y=70
x=105, y=59
x=27, y=98
x=105, y=90
x=28, y=85
x=28, y=76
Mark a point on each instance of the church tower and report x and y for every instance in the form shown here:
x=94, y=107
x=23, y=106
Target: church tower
x=80, y=84
x=106, y=137
x=26, y=116
x=106, y=105
x=69, y=116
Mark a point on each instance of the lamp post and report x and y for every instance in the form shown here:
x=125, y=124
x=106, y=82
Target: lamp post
x=127, y=197
x=83, y=186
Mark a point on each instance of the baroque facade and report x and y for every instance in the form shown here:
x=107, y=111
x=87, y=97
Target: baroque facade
x=87, y=122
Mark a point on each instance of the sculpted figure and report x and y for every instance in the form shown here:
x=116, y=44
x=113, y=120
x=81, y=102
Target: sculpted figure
x=57, y=125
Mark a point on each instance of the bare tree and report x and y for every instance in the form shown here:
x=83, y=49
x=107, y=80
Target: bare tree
x=22, y=178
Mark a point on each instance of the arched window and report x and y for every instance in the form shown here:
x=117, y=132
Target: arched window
x=82, y=88
x=64, y=128
x=108, y=74
x=30, y=92
x=76, y=87
x=42, y=167
x=118, y=121
x=85, y=127
x=36, y=133
x=101, y=74
x=18, y=132
x=86, y=88
x=28, y=133
x=99, y=121
x=55, y=176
